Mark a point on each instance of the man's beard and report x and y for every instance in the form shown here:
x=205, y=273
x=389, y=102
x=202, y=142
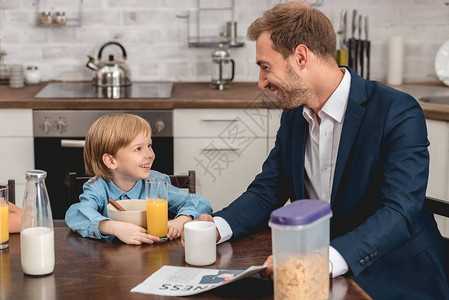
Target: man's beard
x=294, y=93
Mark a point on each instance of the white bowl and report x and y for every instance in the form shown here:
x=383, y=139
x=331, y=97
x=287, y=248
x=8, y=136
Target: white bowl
x=135, y=212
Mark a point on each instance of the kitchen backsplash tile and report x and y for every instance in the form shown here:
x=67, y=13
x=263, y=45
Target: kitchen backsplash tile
x=101, y=17
x=156, y=39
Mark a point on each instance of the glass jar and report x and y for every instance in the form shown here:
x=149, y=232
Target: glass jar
x=60, y=18
x=46, y=17
x=300, y=242
x=37, y=235
x=16, y=76
x=32, y=75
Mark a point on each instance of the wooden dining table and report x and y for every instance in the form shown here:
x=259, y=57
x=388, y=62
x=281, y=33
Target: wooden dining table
x=108, y=269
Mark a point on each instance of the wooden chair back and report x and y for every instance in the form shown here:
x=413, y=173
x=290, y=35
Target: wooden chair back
x=185, y=181
x=76, y=186
x=438, y=207
x=11, y=191
x=441, y=208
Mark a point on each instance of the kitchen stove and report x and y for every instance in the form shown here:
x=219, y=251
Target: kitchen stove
x=76, y=123
x=59, y=140
x=85, y=90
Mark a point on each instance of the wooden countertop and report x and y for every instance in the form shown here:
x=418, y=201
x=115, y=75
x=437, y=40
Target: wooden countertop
x=195, y=95
x=435, y=111
x=431, y=111
x=185, y=95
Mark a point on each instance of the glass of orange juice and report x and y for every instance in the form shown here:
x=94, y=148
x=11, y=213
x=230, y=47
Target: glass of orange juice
x=4, y=217
x=157, y=206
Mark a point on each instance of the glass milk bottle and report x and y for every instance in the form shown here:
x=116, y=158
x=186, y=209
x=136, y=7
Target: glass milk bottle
x=37, y=236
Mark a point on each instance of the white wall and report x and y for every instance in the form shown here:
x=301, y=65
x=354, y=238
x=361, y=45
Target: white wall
x=156, y=39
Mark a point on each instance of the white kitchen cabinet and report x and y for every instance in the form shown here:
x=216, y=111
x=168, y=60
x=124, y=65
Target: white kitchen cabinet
x=222, y=174
x=235, y=123
x=226, y=148
x=438, y=134
x=16, y=150
x=438, y=187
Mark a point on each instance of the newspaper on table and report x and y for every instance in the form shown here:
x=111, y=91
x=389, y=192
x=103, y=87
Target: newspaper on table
x=183, y=281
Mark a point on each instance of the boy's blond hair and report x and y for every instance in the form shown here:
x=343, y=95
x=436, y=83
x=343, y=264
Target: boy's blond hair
x=107, y=135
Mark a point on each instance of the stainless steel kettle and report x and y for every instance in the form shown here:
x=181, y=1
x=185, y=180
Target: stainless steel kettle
x=110, y=73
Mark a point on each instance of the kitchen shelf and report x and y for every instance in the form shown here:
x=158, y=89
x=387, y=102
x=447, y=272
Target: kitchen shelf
x=199, y=41
x=212, y=42
x=73, y=19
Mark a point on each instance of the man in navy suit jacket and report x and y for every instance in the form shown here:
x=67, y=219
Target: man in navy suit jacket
x=358, y=144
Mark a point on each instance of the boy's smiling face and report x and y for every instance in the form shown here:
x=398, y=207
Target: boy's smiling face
x=133, y=162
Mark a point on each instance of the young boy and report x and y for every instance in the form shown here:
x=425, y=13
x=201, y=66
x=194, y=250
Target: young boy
x=118, y=153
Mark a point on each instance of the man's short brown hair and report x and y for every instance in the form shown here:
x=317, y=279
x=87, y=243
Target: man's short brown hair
x=294, y=23
x=107, y=135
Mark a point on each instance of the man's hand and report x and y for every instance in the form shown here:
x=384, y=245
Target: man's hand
x=128, y=233
x=269, y=268
x=203, y=217
x=209, y=218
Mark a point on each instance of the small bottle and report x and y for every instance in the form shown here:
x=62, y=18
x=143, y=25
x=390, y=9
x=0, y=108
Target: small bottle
x=37, y=235
x=60, y=18
x=342, y=51
x=46, y=17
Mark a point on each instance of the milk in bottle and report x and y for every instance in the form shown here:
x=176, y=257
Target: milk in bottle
x=37, y=235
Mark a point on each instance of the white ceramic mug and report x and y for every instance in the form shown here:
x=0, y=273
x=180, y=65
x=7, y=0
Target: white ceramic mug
x=200, y=243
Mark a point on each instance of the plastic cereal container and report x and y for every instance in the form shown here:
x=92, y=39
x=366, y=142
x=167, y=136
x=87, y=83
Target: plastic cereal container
x=300, y=237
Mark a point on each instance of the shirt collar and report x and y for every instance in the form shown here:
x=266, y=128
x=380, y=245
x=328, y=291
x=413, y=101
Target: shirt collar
x=335, y=106
x=117, y=193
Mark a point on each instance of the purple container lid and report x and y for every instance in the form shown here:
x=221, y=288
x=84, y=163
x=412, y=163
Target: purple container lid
x=301, y=212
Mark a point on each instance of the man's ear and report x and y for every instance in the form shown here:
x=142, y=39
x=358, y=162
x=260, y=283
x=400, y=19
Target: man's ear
x=109, y=161
x=301, y=55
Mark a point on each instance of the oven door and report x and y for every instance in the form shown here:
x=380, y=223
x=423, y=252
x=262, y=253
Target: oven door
x=59, y=156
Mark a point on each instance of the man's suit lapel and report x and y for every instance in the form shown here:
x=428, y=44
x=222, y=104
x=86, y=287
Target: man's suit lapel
x=300, y=127
x=353, y=117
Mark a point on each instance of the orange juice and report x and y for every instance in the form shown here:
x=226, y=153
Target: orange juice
x=157, y=217
x=4, y=222
x=5, y=275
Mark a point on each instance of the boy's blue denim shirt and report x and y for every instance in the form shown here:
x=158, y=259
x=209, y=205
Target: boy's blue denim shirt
x=84, y=217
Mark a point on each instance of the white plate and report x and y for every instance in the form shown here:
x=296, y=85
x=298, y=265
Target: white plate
x=442, y=63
